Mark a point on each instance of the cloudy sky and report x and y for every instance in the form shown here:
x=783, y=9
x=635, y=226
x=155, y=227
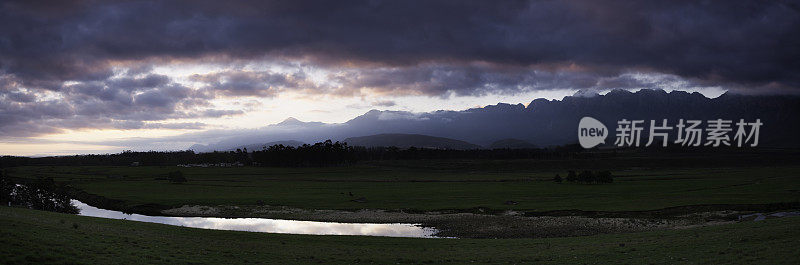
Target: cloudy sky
x=76, y=76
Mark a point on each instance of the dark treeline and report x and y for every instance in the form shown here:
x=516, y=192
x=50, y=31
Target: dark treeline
x=326, y=153
x=127, y=158
x=317, y=155
x=330, y=153
x=394, y=153
x=587, y=177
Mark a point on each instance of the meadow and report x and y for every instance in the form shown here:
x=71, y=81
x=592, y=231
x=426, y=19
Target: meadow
x=640, y=183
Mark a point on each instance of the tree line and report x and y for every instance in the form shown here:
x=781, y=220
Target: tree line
x=322, y=154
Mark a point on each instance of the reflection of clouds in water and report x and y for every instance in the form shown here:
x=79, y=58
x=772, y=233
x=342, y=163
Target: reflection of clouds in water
x=267, y=225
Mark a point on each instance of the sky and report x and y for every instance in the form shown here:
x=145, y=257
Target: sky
x=79, y=76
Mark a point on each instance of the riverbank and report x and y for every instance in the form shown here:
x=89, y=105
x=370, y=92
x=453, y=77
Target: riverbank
x=267, y=225
x=508, y=224
x=480, y=223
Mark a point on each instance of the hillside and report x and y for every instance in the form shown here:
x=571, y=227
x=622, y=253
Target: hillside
x=410, y=140
x=511, y=144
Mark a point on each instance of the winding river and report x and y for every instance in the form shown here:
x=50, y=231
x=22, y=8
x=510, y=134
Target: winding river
x=268, y=225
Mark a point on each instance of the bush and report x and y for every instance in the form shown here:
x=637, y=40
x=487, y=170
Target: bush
x=558, y=178
x=177, y=177
x=605, y=177
x=571, y=176
x=41, y=194
x=587, y=176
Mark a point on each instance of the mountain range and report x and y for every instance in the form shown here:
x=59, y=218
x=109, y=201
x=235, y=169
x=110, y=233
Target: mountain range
x=542, y=122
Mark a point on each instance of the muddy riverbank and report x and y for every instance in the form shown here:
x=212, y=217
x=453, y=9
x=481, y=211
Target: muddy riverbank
x=508, y=224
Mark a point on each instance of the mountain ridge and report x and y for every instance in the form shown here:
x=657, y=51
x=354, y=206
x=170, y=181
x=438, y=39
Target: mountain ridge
x=549, y=122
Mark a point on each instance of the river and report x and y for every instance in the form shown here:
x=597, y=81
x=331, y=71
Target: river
x=268, y=225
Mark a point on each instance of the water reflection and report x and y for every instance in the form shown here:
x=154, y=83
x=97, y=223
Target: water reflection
x=267, y=225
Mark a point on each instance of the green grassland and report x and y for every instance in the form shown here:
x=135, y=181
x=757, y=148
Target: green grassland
x=30, y=236
x=641, y=184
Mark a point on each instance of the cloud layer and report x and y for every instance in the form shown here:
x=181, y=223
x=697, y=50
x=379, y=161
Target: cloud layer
x=90, y=64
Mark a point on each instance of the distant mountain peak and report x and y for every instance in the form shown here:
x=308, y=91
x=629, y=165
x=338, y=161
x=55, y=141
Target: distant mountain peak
x=505, y=106
x=290, y=121
x=585, y=93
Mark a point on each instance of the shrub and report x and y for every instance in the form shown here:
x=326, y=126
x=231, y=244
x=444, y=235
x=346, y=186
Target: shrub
x=571, y=176
x=177, y=177
x=558, y=178
x=605, y=177
x=586, y=177
x=40, y=194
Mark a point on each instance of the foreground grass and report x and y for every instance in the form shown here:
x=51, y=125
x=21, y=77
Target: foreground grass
x=30, y=236
x=434, y=186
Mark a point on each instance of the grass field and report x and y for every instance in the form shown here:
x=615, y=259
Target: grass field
x=30, y=236
x=440, y=185
x=641, y=183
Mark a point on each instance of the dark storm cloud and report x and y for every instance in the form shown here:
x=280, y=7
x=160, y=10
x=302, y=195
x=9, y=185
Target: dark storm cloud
x=477, y=80
x=119, y=103
x=150, y=81
x=730, y=41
